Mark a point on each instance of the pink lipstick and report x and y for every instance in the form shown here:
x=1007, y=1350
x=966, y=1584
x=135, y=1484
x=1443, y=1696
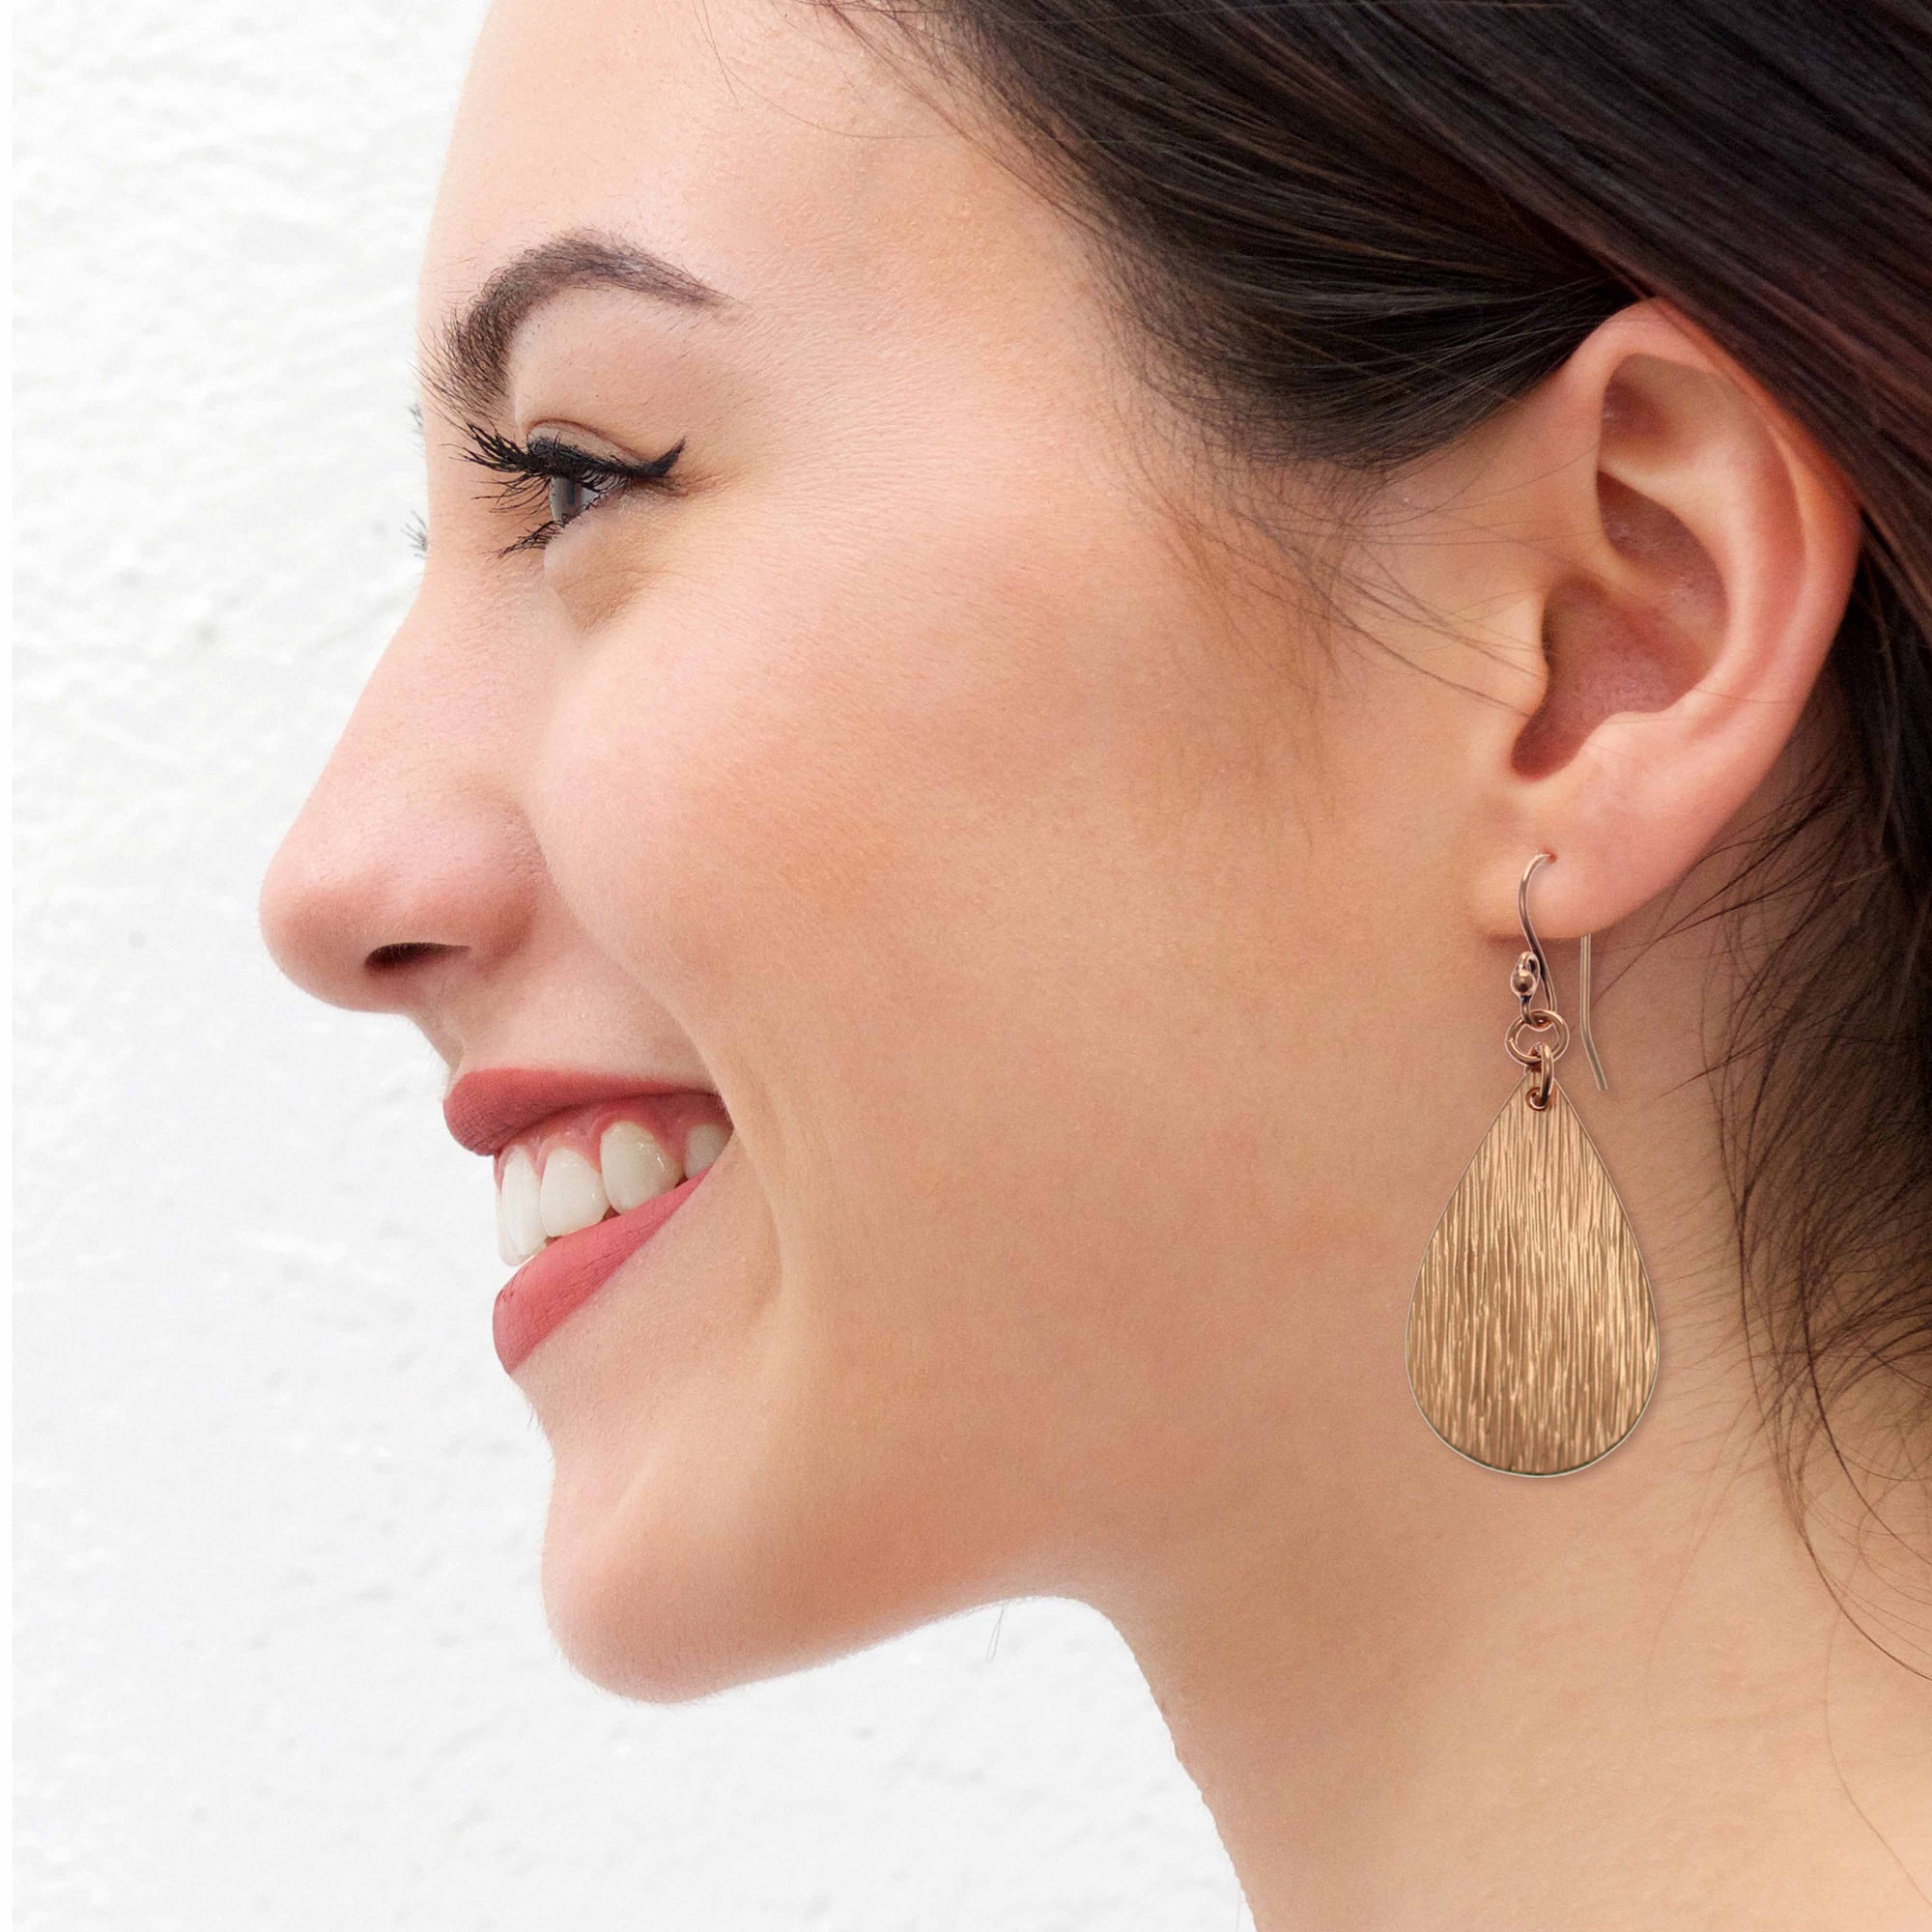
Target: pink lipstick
x=550, y=1288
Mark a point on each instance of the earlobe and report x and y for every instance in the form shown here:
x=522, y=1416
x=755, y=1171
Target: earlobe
x=1694, y=575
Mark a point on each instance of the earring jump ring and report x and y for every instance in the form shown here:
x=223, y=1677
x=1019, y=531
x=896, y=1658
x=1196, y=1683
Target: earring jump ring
x=1541, y=1020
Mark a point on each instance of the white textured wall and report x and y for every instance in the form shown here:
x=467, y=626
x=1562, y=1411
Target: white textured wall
x=282, y=1663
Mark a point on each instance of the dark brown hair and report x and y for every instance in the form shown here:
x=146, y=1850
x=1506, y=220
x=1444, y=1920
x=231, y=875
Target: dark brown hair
x=1344, y=232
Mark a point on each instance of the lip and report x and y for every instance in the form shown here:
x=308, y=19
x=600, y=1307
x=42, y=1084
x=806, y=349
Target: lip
x=554, y=1285
x=485, y=1111
x=488, y=1109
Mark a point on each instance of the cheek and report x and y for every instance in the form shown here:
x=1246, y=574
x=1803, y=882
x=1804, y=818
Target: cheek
x=869, y=817
x=776, y=789
x=892, y=830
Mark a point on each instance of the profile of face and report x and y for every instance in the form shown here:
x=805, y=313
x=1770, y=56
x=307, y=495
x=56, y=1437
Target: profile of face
x=882, y=744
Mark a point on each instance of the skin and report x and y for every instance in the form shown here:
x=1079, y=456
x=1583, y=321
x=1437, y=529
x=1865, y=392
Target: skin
x=1103, y=953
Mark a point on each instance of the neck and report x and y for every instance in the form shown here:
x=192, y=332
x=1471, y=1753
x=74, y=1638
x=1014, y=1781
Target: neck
x=1419, y=1694
x=1580, y=1706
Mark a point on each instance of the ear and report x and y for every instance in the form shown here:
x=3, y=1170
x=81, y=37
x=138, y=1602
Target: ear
x=1687, y=554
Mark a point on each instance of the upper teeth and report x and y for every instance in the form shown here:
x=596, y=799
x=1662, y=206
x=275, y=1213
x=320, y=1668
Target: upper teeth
x=535, y=1204
x=635, y=1166
x=703, y=1144
x=571, y=1195
x=519, y=1220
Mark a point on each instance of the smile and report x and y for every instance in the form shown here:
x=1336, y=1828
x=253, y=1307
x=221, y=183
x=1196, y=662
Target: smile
x=580, y=1188
x=573, y=1170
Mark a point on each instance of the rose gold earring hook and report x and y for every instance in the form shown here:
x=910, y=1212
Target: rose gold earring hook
x=1583, y=1014
x=1529, y=938
x=1535, y=946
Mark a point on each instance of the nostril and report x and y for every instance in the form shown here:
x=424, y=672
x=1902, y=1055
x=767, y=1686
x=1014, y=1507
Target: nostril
x=402, y=953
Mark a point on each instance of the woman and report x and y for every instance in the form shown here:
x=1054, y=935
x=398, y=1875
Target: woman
x=1012, y=598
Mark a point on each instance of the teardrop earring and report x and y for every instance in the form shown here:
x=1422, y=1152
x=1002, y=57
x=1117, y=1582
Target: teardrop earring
x=1532, y=1336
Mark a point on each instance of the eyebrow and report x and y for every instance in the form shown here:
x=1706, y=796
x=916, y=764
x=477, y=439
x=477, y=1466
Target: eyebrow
x=467, y=360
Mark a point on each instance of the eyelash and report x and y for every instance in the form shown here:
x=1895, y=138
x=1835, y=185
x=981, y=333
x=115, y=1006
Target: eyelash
x=528, y=471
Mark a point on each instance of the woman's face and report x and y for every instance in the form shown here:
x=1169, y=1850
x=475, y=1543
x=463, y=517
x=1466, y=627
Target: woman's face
x=926, y=779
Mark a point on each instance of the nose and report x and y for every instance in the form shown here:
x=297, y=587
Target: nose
x=409, y=870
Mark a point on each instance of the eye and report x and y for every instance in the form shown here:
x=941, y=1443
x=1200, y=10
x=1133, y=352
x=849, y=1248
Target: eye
x=566, y=480
x=570, y=496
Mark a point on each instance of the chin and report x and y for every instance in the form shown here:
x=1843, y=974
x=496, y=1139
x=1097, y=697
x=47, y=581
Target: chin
x=663, y=1597
x=663, y=1594
x=645, y=1622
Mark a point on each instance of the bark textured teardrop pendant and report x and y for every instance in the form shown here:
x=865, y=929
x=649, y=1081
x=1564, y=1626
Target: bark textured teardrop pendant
x=1532, y=1336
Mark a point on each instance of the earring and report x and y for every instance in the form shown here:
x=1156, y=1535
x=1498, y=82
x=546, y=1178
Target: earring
x=1532, y=1336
